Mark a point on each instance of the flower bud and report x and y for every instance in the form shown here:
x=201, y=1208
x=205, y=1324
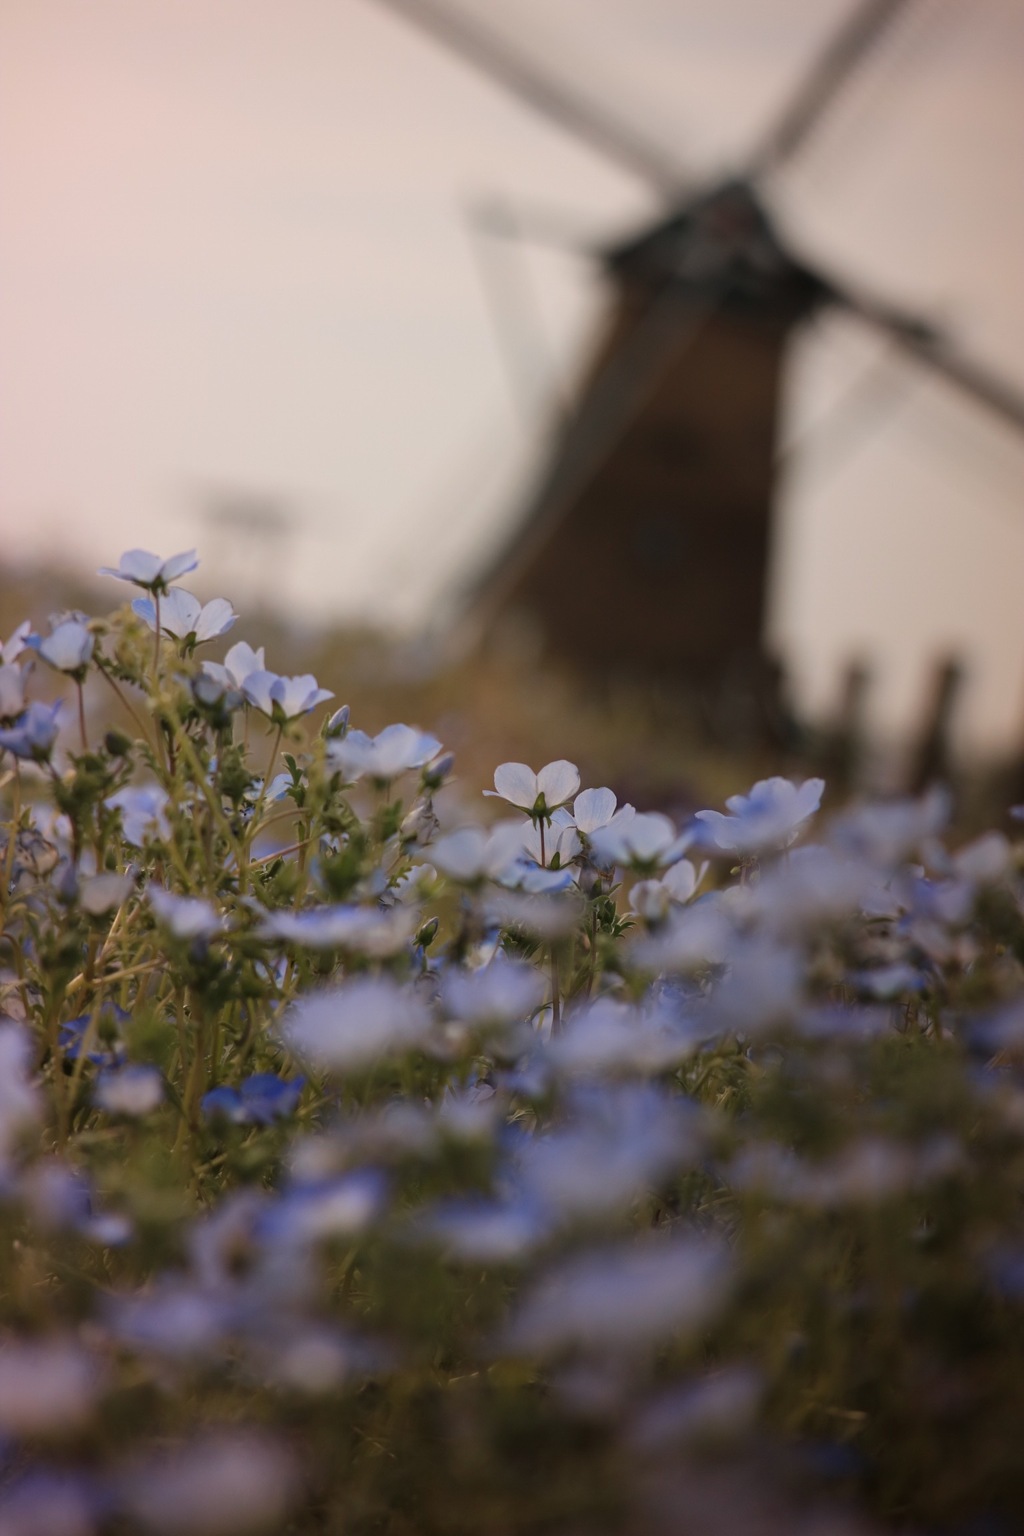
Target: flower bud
x=337, y=725
x=117, y=744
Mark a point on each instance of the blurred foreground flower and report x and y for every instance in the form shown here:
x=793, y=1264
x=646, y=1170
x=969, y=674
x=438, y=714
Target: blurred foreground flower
x=33, y=735
x=394, y=750
x=769, y=817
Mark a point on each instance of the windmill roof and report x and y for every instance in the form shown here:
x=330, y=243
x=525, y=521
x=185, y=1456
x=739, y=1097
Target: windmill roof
x=722, y=240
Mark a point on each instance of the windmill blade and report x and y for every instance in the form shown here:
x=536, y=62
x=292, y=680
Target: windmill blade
x=925, y=343
x=487, y=53
x=542, y=227
x=819, y=88
x=514, y=309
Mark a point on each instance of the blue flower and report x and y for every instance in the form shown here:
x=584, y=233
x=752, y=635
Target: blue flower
x=259, y=1100
x=149, y=571
x=32, y=736
x=67, y=648
x=107, y=1049
x=132, y=1091
x=770, y=817
x=186, y=618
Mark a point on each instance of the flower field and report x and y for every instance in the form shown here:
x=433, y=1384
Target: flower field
x=376, y=1158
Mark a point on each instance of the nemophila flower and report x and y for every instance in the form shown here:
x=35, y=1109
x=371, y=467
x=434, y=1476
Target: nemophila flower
x=186, y=917
x=543, y=914
x=60, y=1198
x=327, y=1208
x=51, y=1502
x=394, y=750
x=558, y=846
x=712, y=1411
x=631, y=1297
x=20, y=1099
x=887, y=832
x=868, y=1171
x=67, y=648
x=595, y=808
x=537, y=880
x=284, y=698
x=258, y=1100
x=770, y=817
x=34, y=734
x=621, y=1143
x=107, y=1046
x=356, y=1024
x=15, y=643
x=48, y=1388
x=185, y=618
x=692, y=939
x=469, y=1113
x=985, y=861
x=12, y=691
x=316, y=1359
x=503, y=992
x=611, y=1039
x=100, y=894
x=889, y=981
x=471, y=854
x=813, y=888
x=130, y=1090
x=228, y=1482
x=240, y=662
x=536, y=793
x=366, y=930
x=173, y=1319
x=644, y=842
x=143, y=812
x=654, y=899
x=151, y=572
x=478, y=1231
x=762, y=987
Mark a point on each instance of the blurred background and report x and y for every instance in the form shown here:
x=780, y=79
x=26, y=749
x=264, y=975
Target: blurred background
x=645, y=377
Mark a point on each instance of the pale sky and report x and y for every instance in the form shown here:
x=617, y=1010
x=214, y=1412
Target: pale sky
x=234, y=255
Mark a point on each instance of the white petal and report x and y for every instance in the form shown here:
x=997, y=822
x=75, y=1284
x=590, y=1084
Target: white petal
x=808, y=798
x=12, y=691
x=179, y=613
x=13, y=647
x=258, y=687
x=592, y=809
x=68, y=647
x=241, y=660
x=722, y=828
x=352, y=755
x=516, y=783
x=461, y=854
x=558, y=782
x=681, y=880
x=177, y=565
x=146, y=610
x=216, y=619
x=137, y=565
x=649, y=834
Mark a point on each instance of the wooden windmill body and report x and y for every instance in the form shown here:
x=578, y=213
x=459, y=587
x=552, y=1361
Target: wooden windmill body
x=659, y=499
x=645, y=541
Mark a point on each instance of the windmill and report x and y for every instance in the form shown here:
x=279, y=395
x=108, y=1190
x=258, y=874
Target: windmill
x=660, y=487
